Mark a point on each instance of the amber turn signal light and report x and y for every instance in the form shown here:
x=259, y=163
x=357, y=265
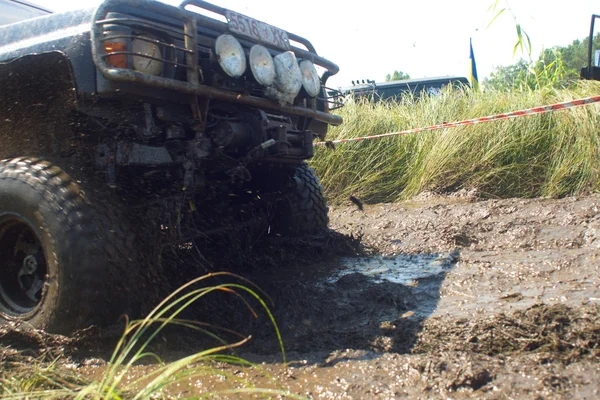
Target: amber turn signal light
x=116, y=60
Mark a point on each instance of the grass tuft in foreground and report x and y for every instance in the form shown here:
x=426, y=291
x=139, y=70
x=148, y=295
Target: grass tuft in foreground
x=554, y=154
x=29, y=378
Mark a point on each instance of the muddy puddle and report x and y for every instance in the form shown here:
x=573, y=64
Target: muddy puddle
x=402, y=268
x=442, y=297
x=421, y=274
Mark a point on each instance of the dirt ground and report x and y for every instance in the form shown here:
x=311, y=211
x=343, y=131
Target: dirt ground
x=440, y=297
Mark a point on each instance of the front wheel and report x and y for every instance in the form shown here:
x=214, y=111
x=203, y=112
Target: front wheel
x=55, y=249
x=303, y=210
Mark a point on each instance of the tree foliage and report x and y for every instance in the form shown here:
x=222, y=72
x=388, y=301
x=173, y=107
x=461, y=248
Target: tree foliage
x=523, y=41
x=573, y=57
x=397, y=76
x=556, y=67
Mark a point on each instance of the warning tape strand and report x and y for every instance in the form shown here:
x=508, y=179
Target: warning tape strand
x=474, y=121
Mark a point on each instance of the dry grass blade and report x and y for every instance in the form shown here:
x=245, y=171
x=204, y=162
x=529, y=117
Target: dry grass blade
x=42, y=379
x=131, y=348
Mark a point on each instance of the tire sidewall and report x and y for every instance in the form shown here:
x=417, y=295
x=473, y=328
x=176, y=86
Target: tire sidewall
x=19, y=199
x=303, y=210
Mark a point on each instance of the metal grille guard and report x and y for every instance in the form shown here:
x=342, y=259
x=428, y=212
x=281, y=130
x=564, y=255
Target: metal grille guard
x=192, y=86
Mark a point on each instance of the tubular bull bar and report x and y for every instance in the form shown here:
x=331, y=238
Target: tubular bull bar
x=192, y=86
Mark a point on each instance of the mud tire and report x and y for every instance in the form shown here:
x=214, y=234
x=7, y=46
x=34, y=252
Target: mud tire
x=81, y=244
x=304, y=209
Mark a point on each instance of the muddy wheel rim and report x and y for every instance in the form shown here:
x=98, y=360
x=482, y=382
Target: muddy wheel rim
x=23, y=268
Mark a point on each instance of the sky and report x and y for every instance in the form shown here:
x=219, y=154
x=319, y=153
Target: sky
x=424, y=38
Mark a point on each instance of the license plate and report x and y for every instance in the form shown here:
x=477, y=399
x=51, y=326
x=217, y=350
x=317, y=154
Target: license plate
x=259, y=31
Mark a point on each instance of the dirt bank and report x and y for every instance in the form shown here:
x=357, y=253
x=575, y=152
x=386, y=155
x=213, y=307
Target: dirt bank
x=452, y=297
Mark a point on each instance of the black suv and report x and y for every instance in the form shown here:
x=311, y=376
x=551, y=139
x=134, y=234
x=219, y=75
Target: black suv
x=138, y=125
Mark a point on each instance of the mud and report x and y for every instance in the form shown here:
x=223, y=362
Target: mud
x=439, y=297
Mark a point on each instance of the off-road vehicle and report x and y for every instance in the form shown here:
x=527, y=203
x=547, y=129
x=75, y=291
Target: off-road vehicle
x=137, y=126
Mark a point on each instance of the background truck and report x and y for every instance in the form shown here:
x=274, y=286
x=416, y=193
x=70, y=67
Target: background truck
x=138, y=125
x=592, y=70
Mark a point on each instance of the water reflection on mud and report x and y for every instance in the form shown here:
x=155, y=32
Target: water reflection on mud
x=402, y=268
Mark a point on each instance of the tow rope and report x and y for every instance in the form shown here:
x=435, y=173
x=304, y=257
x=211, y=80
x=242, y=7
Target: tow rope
x=514, y=114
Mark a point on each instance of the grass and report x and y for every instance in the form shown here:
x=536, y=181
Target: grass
x=24, y=377
x=554, y=154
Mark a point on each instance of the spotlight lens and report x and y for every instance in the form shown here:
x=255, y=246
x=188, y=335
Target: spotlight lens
x=310, y=78
x=262, y=65
x=288, y=77
x=230, y=55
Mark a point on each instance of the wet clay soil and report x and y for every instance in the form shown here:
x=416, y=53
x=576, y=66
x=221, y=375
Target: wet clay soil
x=450, y=297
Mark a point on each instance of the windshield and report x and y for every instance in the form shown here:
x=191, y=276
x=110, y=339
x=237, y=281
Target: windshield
x=12, y=11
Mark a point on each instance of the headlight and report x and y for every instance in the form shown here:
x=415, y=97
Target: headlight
x=262, y=66
x=142, y=46
x=288, y=77
x=310, y=78
x=230, y=55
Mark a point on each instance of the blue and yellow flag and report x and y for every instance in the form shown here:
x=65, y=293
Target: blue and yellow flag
x=473, y=73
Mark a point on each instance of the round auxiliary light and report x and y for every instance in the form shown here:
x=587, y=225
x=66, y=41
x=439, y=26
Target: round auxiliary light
x=310, y=78
x=288, y=77
x=230, y=55
x=262, y=65
x=146, y=55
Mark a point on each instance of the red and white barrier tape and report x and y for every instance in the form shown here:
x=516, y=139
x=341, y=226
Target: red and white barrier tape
x=508, y=115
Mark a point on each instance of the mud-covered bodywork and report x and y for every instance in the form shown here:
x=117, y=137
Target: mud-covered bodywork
x=137, y=129
x=45, y=72
x=85, y=66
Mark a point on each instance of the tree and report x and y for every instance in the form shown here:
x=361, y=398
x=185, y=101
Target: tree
x=555, y=67
x=397, y=76
x=510, y=77
x=573, y=56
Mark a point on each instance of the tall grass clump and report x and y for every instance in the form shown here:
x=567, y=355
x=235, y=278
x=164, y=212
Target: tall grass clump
x=553, y=154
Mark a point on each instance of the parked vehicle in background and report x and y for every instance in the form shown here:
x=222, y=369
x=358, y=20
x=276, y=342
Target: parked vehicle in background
x=592, y=70
x=394, y=90
x=139, y=126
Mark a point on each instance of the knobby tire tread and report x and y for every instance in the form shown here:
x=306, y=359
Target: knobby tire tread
x=92, y=246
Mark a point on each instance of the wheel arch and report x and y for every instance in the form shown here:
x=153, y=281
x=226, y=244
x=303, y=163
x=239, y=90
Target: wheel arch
x=37, y=100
